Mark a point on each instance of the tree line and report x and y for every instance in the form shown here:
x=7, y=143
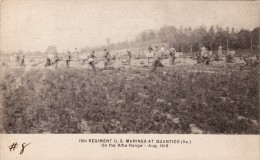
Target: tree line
x=187, y=39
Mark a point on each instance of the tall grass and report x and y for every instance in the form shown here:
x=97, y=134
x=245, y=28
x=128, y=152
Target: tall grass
x=78, y=101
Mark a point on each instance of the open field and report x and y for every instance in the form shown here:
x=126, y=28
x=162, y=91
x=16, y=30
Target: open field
x=184, y=98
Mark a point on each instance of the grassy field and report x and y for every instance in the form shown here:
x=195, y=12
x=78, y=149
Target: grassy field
x=170, y=100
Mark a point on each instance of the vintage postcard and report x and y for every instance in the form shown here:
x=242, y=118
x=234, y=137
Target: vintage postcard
x=148, y=79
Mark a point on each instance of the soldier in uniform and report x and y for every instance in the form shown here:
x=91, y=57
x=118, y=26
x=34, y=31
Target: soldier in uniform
x=48, y=62
x=205, y=55
x=157, y=59
x=17, y=58
x=229, y=58
x=68, y=59
x=22, y=59
x=91, y=60
x=106, y=58
x=129, y=55
x=219, y=53
x=198, y=55
x=150, y=50
x=172, y=55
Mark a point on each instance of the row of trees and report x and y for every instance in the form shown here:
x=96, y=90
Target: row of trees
x=187, y=39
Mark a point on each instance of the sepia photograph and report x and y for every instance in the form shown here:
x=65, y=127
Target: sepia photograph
x=129, y=67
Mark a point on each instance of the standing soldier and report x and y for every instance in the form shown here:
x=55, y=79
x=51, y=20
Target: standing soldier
x=129, y=54
x=106, y=58
x=205, y=55
x=172, y=54
x=91, y=60
x=150, y=50
x=17, y=57
x=198, y=55
x=67, y=59
x=219, y=53
x=48, y=60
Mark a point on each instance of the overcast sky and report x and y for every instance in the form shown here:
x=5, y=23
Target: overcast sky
x=33, y=25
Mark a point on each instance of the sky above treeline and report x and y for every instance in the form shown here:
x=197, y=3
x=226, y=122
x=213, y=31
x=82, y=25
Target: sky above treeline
x=68, y=24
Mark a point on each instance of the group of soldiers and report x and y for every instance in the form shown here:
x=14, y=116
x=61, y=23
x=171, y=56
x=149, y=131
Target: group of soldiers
x=159, y=54
x=205, y=56
x=91, y=59
x=156, y=53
